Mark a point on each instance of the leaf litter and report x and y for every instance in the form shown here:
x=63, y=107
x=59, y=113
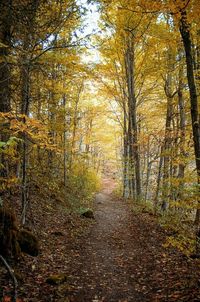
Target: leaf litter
x=119, y=257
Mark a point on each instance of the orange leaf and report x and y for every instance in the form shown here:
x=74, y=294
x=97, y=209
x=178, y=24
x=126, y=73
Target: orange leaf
x=9, y=299
x=6, y=299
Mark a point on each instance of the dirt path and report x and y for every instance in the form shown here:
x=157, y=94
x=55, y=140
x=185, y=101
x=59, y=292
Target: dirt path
x=122, y=259
x=118, y=257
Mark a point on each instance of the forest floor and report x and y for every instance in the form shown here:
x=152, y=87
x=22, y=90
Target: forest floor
x=118, y=256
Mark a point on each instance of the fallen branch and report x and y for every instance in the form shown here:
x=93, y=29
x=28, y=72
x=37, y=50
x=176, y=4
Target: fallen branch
x=9, y=269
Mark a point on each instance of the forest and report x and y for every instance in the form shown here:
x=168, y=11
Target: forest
x=99, y=150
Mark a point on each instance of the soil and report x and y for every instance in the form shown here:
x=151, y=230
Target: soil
x=118, y=256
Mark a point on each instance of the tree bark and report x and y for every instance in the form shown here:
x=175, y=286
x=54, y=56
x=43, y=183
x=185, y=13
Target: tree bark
x=75, y=124
x=64, y=143
x=182, y=130
x=130, y=77
x=131, y=163
x=166, y=159
x=159, y=177
x=25, y=99
x=125, y=156
x=5, y=40
x=5, y=74
x=185, y=33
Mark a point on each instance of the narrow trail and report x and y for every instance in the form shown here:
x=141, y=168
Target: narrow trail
x=122, y=259
x=118, y=257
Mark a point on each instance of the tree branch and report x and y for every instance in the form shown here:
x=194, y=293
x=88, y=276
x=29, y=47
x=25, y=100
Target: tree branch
x=10, y=271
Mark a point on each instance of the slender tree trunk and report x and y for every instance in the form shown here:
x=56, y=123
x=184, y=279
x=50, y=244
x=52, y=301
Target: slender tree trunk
x=168, y=132
x=185, y=33
x=182, y=128
x=130, y=72
x=197, y=71
x=167, y=149
x=88, y=138
x=147, y=167
x=5, y=74
x=25, y=102
x=125, y=158
x=5, y=40
x=64, y=144
x=75, y=123
x=131, y=163
x=159, y=177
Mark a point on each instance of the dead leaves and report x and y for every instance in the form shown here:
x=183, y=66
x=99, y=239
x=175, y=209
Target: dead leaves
x=10, y=299
x=119, y=258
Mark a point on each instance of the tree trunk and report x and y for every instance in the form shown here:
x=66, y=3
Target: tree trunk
x=25, y=97
x=131, y=164
x=185, y=33
x=159, y=177
x=5, y=43
x=147, y=167
x=182, y=129
x=167, y=148
x=130, y=77
x=125, y=157
x=168, y=131
x=64, y=143
x=25, y=100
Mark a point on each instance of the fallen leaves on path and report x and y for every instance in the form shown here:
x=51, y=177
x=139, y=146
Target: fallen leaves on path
x=119, y=257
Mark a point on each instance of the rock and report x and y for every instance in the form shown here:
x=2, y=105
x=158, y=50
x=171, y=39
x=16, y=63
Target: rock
x=88, y=213
x=56, y=279
x=28, y=243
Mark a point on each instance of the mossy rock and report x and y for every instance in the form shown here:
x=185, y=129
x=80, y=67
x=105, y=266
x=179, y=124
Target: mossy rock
x=87, y=213
x=28, y=243
x=56, y=279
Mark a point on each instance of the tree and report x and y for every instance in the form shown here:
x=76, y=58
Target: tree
x=185, y=33
x=5, y=44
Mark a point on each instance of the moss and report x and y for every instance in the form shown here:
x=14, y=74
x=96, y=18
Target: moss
x=87, y=213
x=56, y=279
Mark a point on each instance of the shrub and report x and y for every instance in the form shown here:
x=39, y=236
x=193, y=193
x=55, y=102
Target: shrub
x=82, y=184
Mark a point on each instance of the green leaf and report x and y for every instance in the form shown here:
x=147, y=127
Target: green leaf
x=13, y=141
x=2, y=144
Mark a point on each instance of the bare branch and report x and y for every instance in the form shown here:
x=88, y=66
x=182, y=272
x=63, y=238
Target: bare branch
x=9, y=269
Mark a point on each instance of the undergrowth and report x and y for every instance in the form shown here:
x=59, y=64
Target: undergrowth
x=81, y=185
x=178, y=224
x=180, y=230
x=143, y=207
